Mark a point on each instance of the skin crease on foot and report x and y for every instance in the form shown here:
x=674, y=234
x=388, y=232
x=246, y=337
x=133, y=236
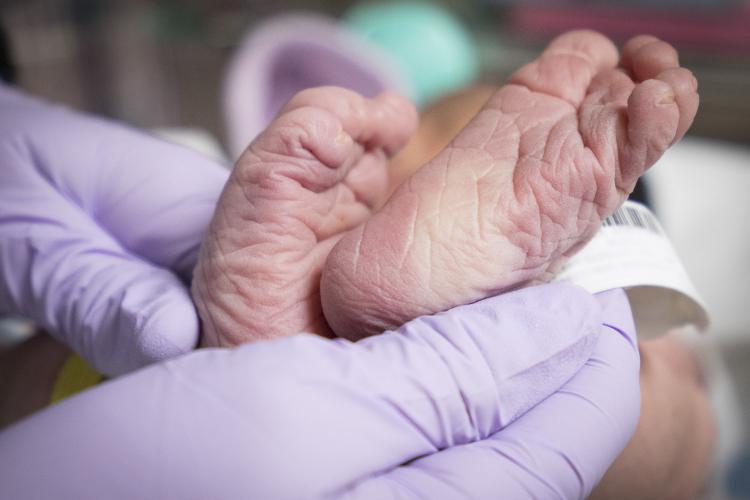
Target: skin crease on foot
x=669, y=457
x=317, y=171
x=524, y=185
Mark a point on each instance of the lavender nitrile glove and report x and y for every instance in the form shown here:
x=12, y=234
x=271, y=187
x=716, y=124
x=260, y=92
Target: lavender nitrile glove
x=560, y=449
x=92, y=215
x=306, y=417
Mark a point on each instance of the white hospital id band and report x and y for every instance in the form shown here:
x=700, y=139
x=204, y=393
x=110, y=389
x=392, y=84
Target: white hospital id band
x=632, y=251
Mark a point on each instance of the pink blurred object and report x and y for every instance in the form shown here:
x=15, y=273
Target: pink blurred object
x=290, y=53
x=724, y=29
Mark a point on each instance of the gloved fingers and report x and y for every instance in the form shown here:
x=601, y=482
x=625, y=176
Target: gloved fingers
x=117, y=311
x=502, y=355
x=154, y=197
x=616, y=313
x=302, y=416
x=61, y=269
x=559, y=449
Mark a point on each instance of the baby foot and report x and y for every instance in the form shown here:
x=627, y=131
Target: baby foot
x=523, y=186
x=317, y=171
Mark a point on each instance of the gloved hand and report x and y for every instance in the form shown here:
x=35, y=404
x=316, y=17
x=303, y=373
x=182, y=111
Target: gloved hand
x=92, y=215
x=434, y=410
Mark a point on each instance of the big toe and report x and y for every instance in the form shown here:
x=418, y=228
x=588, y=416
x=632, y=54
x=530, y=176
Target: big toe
x=567, y=66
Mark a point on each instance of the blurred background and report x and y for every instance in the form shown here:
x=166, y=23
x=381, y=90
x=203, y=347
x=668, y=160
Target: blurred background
x=163, y=65
x=157, y=63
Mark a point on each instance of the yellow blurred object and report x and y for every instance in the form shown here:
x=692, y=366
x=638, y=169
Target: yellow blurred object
x=75, y=376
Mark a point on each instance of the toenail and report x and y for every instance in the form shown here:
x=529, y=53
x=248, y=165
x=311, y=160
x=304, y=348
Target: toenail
x=343, y=138
x=667, y=98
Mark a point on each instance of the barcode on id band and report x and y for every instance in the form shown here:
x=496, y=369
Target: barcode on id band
x=632, y=215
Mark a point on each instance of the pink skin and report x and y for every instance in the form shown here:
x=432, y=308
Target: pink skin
x=316, y=172
x=524, y=185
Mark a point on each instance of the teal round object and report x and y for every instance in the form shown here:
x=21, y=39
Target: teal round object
x=431, y=47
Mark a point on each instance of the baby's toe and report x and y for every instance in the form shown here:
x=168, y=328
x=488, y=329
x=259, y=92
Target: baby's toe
x=386, y=121
x=646, y=56
x=685, y=88
x=567, y=66
x=660, y=110
x=653, y=120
